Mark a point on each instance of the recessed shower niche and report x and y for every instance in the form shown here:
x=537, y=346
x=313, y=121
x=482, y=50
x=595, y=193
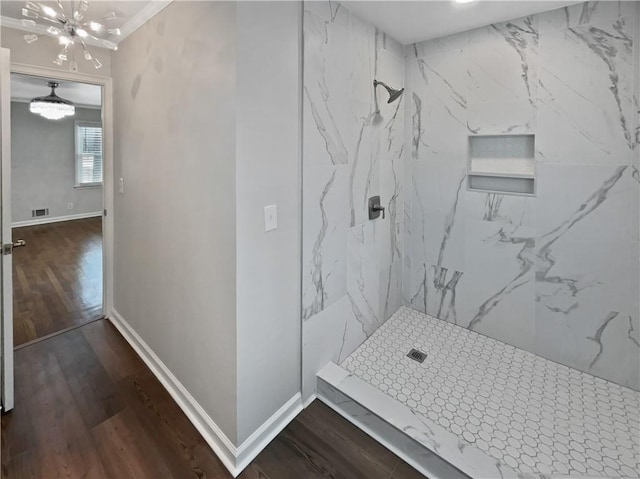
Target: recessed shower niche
x=502, y=164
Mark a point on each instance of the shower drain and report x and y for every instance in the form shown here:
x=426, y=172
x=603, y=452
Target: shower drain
x=417, y=355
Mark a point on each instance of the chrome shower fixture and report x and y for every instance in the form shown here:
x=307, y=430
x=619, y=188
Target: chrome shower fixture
x=393, y=93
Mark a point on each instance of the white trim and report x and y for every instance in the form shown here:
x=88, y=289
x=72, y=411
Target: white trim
x=254, y=444
x=309, y=400
x=6, y=282
x=143, y=16
x=54, y=219
x=235, y=459
x=107, y=131
x=209, y=430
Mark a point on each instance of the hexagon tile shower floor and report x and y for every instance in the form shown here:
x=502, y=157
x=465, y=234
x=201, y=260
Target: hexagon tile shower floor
x=527, y=412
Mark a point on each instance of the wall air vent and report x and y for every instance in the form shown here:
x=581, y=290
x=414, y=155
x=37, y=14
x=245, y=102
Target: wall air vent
x=40, y=212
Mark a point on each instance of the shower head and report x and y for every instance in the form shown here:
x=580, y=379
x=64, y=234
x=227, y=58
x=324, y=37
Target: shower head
x=393, y=94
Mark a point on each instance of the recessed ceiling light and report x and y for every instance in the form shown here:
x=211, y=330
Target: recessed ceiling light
x=464, y=1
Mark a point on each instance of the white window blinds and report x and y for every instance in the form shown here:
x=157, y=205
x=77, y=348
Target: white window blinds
x=88, y=153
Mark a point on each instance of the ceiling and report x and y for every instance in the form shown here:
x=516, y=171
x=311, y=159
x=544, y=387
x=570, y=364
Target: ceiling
x=24, y=88
x=130, y=14
x=414, y=21
x=406, y=21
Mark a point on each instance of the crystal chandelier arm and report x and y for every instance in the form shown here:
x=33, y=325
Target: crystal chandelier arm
x=69, y=29
x=89, y=57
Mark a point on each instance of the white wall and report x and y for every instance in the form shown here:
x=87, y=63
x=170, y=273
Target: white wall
x=267, y=172
x=42, y=53
x=174, y=145
x=555, y=274
x=43, y=165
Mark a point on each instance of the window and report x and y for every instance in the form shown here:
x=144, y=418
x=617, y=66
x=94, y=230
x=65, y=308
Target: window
x=88, y=153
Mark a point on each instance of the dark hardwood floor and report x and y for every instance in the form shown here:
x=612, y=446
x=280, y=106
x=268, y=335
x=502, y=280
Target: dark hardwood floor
x=88, y=407
x=57, y=277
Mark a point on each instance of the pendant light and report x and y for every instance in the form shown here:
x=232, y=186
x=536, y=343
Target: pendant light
x=52, y=107
x=70, y=26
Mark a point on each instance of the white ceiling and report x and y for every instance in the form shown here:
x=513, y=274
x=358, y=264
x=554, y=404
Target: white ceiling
x=406, y=21
x=24, y=88
x=130, y=14
x=414, y=21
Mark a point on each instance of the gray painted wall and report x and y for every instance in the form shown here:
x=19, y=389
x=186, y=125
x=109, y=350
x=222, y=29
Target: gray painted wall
x=222, y=143
x=174, y=145
x=267, y=172
x=43, y=165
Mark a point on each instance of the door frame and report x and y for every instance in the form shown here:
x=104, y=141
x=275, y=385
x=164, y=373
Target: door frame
x=6, y=271
x=108, y=169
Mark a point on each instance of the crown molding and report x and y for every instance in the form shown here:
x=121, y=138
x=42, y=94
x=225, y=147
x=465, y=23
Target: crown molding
x=143, y=16
x=148, y=11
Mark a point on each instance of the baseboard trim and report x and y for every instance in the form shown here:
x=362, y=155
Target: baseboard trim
x=235, y=459
x=55, y=219
x=254, y=444
x=309, y=400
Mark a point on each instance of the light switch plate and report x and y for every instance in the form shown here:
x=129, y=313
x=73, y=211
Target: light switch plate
x=121, y=185
x=270, y=217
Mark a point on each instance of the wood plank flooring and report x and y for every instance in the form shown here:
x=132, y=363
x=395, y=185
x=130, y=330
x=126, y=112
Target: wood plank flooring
x=57, y=277
x=88, y=407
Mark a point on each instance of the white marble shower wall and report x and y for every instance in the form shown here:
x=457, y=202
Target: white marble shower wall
x=352, y=266
x=555, y=274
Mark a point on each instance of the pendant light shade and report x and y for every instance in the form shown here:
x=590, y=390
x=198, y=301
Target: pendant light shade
x=52, y=107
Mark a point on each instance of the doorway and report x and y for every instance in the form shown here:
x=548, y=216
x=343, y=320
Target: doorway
x=57, y=204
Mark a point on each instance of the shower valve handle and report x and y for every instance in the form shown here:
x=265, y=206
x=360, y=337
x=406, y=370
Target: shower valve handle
x=378, y=208
x=375, y=207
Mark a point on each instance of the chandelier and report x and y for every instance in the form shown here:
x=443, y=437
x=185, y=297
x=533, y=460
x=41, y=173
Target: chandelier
x=70, y=29
x=52, y=107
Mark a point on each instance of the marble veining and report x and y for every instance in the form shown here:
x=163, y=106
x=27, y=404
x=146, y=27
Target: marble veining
x=523, y=39
x=544, y=273
x=317, y=276
x=353, y=148
x=546, y=260
x=524, y=258
x=606, y=45
x=529, y=416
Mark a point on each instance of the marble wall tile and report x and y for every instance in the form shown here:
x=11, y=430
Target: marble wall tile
x=328, y=126
x=439, y=221
x=586, y=106
x=557, y=273
x=500, y=266
x=503, y=77
x=353, y=148
x=363, y=277
x=586, y=13
x=439, y=105
x=506, y=209
x=586, y=202
x=325, y=227
x=503, y=62
x=581, y=297
x=455, y=43
x=331, y=335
